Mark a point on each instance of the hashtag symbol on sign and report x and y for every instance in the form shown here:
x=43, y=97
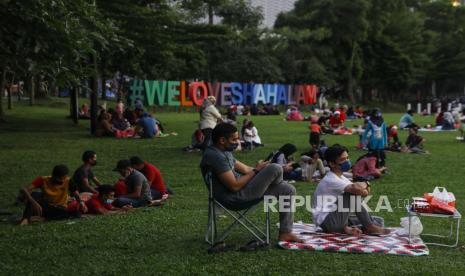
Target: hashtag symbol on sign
x=137, y=91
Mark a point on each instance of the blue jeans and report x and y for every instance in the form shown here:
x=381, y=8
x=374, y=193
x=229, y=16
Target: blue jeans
x=122, y=201
x=156, y=194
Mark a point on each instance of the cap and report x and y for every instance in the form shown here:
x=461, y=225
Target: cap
x=122, y=164
x=337, y=113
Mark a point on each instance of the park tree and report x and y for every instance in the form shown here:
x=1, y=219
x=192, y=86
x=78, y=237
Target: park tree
x=395, y=53
x=335, y=30
x=446, y=24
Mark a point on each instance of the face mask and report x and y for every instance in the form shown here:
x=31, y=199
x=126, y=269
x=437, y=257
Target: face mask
x=109, y=201
x=345, y=167
x=232, y=147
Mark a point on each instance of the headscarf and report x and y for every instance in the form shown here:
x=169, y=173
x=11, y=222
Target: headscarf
x=376, y=117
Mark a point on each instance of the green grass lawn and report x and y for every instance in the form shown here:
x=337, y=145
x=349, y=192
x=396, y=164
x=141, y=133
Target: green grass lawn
x=169, y=239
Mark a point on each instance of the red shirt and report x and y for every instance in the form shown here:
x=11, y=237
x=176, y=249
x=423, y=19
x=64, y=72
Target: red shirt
x=154, y=177
x=335, y=122
x=95, y=204
x=120, y=188
x=315, y=128
x=343, y=114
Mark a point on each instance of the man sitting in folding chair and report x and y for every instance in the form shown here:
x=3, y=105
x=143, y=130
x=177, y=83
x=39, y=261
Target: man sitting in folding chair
x=236, y=184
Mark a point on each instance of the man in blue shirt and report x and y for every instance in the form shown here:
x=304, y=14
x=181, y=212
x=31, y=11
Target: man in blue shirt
x=407, y=120
x=147, y=127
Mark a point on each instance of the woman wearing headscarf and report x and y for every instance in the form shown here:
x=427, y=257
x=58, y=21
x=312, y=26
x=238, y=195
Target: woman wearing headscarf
x=375, y=137
x=209, y=117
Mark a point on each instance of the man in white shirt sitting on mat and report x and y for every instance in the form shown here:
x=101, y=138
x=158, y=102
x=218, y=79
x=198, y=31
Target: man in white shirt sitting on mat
x=332, y=215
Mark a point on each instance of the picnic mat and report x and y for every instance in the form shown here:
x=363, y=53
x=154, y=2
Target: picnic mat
x=391, y=244
x=436, y=129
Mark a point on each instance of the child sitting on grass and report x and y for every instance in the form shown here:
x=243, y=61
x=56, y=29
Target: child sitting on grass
x=250, y=135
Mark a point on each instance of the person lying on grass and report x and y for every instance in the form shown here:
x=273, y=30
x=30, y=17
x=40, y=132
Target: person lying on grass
x=52, y=202
x=332, y=189
x=101, y=203
x=236, y=183
x=83, y=176
x=157, y=185
x=138, y=188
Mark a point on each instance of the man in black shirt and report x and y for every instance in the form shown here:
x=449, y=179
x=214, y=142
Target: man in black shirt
x=83, y=176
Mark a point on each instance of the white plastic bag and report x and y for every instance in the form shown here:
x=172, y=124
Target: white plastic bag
x=441, y=194
x=415, y=229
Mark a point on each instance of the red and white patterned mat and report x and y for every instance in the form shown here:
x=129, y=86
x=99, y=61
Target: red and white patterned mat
x=391, y=244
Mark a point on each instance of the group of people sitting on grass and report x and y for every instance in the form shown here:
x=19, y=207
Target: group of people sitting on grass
x=124, y=122
x=60, y=196
x=236, y=183
x=210, y=116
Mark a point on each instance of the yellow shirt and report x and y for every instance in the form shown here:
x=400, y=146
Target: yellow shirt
x=55, y=195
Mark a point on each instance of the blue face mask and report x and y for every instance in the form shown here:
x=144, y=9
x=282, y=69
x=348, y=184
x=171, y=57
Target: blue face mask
x=232, y=147
x=345, y=167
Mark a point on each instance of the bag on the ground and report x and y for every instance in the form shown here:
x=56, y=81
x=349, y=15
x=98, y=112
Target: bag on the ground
x=415, y=227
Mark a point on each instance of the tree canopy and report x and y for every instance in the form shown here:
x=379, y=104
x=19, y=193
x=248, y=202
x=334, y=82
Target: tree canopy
x=351, y=47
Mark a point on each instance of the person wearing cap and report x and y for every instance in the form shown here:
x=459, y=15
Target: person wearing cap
x=394, y=143
x=209, y=117
x=147, y=127
x=335, y=120
x=138, y=188
x=153, y=175
x=343, y=114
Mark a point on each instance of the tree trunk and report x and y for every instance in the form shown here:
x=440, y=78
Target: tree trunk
x=102, y=74
x=349, y=87
x=8, y=89
x=93, y=96
x=365, y=92
x=74, y=105
x=31, y=89
x=2, y=90
x=120, y=92
x=210, y=14
x=385, y=98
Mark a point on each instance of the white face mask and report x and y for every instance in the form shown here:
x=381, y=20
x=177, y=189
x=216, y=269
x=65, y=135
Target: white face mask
x=109, y=201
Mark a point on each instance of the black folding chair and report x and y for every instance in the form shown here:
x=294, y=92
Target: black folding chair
x=238, y=213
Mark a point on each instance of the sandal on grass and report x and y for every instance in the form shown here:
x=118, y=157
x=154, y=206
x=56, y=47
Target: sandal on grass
x=220, y=247
x=253, y=245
